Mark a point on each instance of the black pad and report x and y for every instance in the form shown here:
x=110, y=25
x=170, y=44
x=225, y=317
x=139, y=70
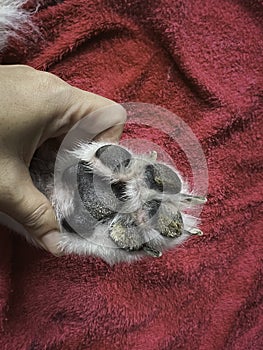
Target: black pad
x=161, y=178
x=113, y=156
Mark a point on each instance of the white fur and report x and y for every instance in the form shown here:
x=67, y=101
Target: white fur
x=12, y=19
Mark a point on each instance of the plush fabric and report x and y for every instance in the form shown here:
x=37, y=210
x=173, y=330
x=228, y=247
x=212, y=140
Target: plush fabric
x=203, y=61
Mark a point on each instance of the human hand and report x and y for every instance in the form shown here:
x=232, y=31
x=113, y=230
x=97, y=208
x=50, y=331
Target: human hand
x=35, y=107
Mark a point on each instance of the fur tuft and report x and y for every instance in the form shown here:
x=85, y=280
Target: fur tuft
x=12, y=19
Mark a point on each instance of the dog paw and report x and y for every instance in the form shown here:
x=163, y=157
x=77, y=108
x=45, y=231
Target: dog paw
x=121, y=206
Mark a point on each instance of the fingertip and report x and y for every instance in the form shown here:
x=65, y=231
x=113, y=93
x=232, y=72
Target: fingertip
x=51, y=242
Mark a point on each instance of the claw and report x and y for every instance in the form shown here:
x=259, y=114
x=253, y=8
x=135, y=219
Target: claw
x=153, y=155
x=195, y=232
x=152, y=252
x=187, y=198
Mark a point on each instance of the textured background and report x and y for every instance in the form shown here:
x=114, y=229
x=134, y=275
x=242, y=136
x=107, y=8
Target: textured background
x=201, y=60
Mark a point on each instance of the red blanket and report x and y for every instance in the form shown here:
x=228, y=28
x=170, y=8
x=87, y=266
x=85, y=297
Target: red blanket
x=201, y=60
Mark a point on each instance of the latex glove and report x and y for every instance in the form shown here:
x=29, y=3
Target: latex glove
x=37, y=106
